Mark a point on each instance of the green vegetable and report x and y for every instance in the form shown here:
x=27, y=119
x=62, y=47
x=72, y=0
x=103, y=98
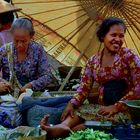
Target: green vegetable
x=2, y=136
x=14, y=135
x=17, y=134
x=2, y=128
x=89, y=134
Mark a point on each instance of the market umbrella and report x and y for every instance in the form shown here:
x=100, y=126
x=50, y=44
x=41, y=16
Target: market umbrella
x=67, y=28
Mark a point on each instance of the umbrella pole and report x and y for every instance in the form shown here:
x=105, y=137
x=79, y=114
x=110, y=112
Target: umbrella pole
x=77, y=62
x=70, y=73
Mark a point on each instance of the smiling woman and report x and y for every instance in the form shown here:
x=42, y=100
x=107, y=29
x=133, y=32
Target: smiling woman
x=116, y=70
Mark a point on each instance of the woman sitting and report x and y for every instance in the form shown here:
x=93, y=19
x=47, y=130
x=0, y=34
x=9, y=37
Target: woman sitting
x=117, y=71
x=24, y=65
x=24, y=59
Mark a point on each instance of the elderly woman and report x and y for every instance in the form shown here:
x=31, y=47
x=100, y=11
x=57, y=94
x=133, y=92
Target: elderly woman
x=116, y=70
x=25, y=59
x=24, y=64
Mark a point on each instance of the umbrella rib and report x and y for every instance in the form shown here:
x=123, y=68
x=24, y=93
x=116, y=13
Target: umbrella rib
x=63, y=16
x=85, y=32
x=101, y=4
x=55, y=10
x=134, y=42
x=65, y=24
x=125, y=43
x=108, y=7
x=124, y=10
x=51, y=30
x=86, y=21
x=132, y=23
x=79, y=28
x=133, y=8
x=134, y=18
x=96, y=6
x=59, y=27
x=105, y=8
x=80, y=39
x=135, y=13
x=115, y=4
x=126, y=16
x=77, y=62
x=43, y=2
x=133, y=3
x=123, y=13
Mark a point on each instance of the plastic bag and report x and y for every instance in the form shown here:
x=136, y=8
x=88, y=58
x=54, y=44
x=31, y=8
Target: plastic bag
x=23, y=133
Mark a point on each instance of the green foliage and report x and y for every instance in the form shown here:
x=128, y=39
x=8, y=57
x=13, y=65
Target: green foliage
x=89, y=134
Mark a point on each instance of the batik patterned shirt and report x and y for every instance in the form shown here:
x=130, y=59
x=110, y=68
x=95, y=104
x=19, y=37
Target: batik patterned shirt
x=35, y=68
x=126, y=65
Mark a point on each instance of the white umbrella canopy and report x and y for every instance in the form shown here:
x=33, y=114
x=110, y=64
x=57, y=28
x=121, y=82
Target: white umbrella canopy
x=67, y=28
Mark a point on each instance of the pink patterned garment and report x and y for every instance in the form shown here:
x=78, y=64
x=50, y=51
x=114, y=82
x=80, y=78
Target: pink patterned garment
x=126, y=66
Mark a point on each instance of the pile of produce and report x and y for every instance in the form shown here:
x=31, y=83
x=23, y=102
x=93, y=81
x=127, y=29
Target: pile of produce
x=89, y=134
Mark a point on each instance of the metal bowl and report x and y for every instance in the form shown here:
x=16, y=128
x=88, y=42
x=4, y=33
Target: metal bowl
x=134, y=108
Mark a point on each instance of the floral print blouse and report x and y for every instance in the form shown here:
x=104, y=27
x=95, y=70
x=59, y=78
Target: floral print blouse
x=126, y=65
x=35, y=68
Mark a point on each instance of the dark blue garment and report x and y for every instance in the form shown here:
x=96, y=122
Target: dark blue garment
x=55, y=102
x=23, y=80
x=4, y=121
x=113, y=91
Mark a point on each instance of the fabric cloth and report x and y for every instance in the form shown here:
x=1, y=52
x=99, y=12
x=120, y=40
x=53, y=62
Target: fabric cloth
x=10, y=116
x=113, y=91
x=34, y=109
x=37, y=112
x=55, y=102
x=90, y=112
x=35, y=68
x=126, y=65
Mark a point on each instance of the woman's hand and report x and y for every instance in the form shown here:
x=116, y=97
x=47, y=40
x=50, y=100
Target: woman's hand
x=5, y=87
x=108, y=110
x=23, y=89
x=69, y=110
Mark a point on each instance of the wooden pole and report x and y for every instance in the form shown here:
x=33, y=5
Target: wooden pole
x=76, y=63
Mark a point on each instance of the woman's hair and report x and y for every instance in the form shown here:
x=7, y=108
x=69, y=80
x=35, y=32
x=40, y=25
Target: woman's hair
x=7, y=17
x=24, y=23
x=105, y=26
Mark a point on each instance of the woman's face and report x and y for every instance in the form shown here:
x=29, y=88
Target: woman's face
x=114, y=39
x=21, y=39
